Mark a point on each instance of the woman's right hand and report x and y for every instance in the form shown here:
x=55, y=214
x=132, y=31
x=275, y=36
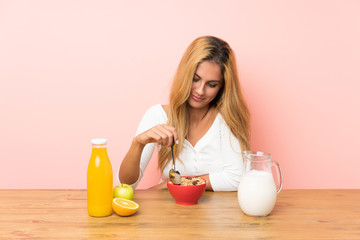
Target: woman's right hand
x=162, y=134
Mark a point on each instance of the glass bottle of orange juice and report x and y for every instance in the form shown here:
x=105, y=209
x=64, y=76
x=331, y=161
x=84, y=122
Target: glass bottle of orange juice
x=99, y=180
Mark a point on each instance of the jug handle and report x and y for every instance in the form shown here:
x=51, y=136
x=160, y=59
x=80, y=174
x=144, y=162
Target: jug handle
x=279, y=174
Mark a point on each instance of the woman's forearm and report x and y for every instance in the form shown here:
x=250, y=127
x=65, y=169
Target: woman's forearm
x=161, y=134
x=130, y=166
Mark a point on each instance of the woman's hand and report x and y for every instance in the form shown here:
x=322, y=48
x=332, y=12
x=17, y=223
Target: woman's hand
x=161, y=134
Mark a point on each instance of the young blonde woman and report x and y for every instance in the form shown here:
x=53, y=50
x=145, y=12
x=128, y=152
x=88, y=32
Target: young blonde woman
x=206, y=116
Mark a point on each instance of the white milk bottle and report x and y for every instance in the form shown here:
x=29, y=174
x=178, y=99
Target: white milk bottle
x=257, y=191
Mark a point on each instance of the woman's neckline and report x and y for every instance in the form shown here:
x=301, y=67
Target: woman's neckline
x=204, y=136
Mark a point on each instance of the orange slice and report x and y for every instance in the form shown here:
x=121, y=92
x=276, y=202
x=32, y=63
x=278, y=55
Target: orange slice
x=124, y=207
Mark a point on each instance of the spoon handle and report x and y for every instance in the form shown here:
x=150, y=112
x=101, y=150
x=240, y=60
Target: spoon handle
x=172, y=154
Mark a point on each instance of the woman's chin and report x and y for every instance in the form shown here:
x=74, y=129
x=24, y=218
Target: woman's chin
x=198, y=105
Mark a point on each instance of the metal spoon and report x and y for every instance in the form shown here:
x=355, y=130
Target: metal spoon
x=174, y=174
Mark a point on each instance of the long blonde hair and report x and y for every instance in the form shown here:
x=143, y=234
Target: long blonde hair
x=229, y=102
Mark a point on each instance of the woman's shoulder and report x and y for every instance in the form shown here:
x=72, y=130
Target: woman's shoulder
x=156, y=110
x=153, y=116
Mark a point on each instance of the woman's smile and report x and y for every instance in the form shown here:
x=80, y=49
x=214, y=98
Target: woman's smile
x=196, y=98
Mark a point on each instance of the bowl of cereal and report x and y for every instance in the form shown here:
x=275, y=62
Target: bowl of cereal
x=189, y=191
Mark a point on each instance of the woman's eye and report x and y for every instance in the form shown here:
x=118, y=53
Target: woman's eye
x=195, y=79
x=212, y=85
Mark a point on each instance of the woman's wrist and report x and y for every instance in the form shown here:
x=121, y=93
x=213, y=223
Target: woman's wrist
x=136, y=144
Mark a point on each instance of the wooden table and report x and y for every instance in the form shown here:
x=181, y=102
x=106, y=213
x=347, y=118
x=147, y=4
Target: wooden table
x=298, y=214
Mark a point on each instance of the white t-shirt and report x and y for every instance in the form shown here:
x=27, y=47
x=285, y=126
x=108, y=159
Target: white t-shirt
x=217, y=153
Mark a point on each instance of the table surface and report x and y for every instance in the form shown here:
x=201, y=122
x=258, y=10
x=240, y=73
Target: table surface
x=298, y=214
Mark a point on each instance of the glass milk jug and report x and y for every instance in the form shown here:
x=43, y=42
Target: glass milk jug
x=257, y=191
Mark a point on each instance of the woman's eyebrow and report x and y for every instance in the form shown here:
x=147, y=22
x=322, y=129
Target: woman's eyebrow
x=196, y=75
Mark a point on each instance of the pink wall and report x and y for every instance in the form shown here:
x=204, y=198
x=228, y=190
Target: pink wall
x=71, y=71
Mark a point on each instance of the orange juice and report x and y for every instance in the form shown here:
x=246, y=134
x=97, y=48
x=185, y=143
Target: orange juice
x=99, y=180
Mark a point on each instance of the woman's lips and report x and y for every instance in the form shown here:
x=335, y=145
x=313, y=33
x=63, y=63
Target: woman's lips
x=197, y=99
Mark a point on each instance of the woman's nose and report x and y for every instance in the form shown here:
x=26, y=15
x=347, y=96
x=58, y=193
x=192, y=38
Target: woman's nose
x=200, y=88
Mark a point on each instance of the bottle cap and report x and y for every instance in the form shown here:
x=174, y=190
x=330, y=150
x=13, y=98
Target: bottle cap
x=99, y=141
